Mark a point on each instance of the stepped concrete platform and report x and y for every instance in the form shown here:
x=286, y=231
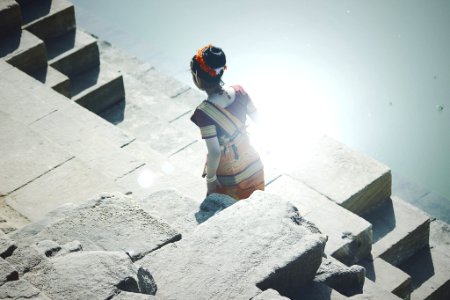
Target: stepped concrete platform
x=48, y=18
x=98, y=88
x=389, y=277
x=272, y=248
x=429, y=267
x=349, y=236
x=54, y=79
x=73, y=53
x=349, y=178
x=23, y=50
x=10, y=17
x=399, y=230
x=25, y=155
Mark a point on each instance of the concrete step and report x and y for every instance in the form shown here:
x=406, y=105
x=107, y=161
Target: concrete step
x=33, y=101
x=429, y=268
x=72, y=182
x=97, y=88
x=53, y=79
x=347, y=177
x=86, y=144
x=389, y=277
x=26, y=155
x=349, y=236
x=73, y=53
x=399, y=230
x=24, y=51
x=10, y=17
x=47, y=18
x=158, y=174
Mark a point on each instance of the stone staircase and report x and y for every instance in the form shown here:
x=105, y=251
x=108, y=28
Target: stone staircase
x=56, y=151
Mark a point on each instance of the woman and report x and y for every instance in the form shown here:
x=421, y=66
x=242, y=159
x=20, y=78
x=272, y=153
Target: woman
x=232, y=167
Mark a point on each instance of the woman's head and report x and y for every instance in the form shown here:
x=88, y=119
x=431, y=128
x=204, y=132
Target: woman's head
x=208, y=65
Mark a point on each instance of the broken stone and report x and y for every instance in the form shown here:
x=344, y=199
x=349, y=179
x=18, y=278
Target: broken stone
x=21, y=289
x=348, y=281
x=254, y=245
x=7, y=246
x=7, y=272
x=270, y=295
x=48, y=248
x=90, y=275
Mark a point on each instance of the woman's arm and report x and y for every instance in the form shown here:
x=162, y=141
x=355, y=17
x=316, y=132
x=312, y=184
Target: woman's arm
x=212, y=163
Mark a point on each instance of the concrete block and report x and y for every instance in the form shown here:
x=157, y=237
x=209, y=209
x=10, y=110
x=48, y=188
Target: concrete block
x=399, y=230
x=48, y=19
x=73, y=52
x=109, y=221
x=10, y=17
x=54, y=79
x=26, y=155
x=72, y=182
x=270, y=295
x=84, y=143
x=97, y=89
x=21, y=289
x=349, y=178
x=7, y=272
x=389, y=277
x=24, y=51
x=349, y=236
x=254, y=245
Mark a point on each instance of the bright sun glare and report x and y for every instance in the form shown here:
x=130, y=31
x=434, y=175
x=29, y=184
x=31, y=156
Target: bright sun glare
x=294, y=113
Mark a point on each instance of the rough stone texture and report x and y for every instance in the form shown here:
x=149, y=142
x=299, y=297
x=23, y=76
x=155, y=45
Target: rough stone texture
x=270, y=295
x=255, y=244
x=48, y=248
x=349, y=236
x=399, y=230
x=108, y=222
x=7, y=272
x=346, y=280
x=349, y=178
x=21, y=289
x=389, y=277
x=133, y=296
x=89, y=275
x=178, y=210
x=25, y=259
x=25, y=155
x=7, y=246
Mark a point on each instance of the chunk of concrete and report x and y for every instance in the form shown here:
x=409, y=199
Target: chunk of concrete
x=7, y=246
x=253, y=245
x=25, y=155
x=26, y=258
x=21, y=289
x=90, y=275
x=110, y=222
x=349, y=236
x=348, y=281
x=347, y=177
x=400, y=230
x=7, y=272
